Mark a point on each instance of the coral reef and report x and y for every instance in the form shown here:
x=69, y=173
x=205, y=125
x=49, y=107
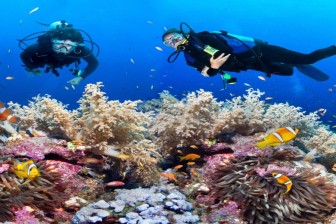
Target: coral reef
x=222, y=172
x=97, y=121
x=181, y=123
x=200, y=116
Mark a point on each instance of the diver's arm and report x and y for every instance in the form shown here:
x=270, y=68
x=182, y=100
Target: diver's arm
x=215, y=63
x=217, y=50
x=92, y=63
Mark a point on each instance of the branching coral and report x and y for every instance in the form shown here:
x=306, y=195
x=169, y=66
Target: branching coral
x=107, y=121
x=311, y=198
x=242, y=114
x=323, y=141
x=47, y=114
x=98, y=121
x=144, y=154
x=198, y=116
x=180, y=123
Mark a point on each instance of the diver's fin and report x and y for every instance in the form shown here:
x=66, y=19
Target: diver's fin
x=312, y=72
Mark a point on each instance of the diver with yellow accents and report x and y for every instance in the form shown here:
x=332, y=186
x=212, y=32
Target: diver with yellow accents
x=220, y=52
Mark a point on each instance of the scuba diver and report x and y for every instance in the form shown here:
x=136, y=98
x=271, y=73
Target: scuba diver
x=61, y=45
x=217, y=52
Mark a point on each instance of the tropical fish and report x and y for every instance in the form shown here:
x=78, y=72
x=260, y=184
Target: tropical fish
x=152, y=160
x=169, y=176
x=124, y=156
x=78, y=142
x=90, y=161
x=178, y=167
x=6, y=114
x=281, y=135
x=282, y=179
x=127, y=170
x=34, y=10
x=190, y=156
x=334, y=167
x=26, y=170
x=9, y=77
x=114, y=184
x=194, y=146
x=261, y=78
x=190, y=163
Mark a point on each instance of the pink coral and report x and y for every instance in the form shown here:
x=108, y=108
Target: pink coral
x=4, y=167
x=26, y=215
x=66, y=170
x=37, y=148
x=264, y=171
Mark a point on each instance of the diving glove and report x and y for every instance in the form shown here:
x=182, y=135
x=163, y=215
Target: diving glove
x=76, y=80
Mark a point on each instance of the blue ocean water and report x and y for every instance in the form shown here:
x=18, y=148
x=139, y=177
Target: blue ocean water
x=131, y=30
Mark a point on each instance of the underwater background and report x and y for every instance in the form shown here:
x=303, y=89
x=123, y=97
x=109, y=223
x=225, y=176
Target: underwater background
x=93, y=153
x=129, y=31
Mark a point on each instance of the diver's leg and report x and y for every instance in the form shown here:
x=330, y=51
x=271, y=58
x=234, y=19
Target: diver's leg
x=280, y=69
x=280, y=54
x=275, y=68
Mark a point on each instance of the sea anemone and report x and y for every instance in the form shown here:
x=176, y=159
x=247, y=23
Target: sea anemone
x=260, y=198
x=42, y=193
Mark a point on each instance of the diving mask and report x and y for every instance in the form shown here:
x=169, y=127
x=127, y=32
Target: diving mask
x=172, y=39
x=64, y=46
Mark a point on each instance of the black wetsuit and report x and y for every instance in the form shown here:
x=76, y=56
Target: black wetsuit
x=36, y=56
x=271, y=59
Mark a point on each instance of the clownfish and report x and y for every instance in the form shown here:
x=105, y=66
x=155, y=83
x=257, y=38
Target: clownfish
x=6, y=114
x=281, y=135
x=282, y=179
x=26, y=170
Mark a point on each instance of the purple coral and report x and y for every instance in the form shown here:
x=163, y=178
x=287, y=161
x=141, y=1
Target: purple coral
x=37, y=148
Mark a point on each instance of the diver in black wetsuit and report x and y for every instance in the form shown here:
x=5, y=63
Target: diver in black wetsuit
x=215, y=52
x=60, y=46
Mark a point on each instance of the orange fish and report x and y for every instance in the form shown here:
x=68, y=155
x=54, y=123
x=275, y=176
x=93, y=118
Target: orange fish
x=91, y=161
x=281, y=135
x=114, y=184
x=190, y=156
x=334, y=167
x=169, y=176
x=282, y=179
x=178, y=167
x=78, y=142
x=6, y=114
